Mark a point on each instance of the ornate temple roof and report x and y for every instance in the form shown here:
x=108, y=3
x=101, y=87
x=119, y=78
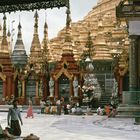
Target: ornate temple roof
x=67, y=65
x=103, y=20
x=12, y=6
x=101, y=51
x=5, y=60
x=19, y=56
x=4, y=44
x=67, y=45
x=35, y=46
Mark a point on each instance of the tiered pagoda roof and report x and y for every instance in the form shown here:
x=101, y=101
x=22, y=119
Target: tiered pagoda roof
x=4, y=44
x=19, y=56
x=67, y=65
x=5, y=60
x=103, y=13
x=35, y=58
x=16, y=5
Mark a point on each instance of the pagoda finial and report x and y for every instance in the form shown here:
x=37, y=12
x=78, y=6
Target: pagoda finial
x=68, y=20
x=4, y=43
x=4, y=26
x=68, y=25
x=19, y=28
x=45, y=43
x=8, y=34
x=19, y=25
x=36, y=22
x=67, y=47
x=45, y=28
x=45, y=39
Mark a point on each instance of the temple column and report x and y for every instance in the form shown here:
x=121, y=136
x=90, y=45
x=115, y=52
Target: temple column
x=13, y=86
x=36, y=94
x=130, y=97
x=130, y=106
x=71, y=88
x=120, y=87
x=9, y=85
x=37, y=100
x=4, y=88
x=23, y=89
x=133, y=73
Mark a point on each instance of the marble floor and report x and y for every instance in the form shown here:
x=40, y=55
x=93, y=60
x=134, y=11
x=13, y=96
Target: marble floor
x=71, y=127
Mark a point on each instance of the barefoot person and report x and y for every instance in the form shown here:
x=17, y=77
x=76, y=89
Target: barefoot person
x=13, y=119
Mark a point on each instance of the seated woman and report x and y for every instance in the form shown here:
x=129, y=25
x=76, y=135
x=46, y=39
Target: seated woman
x=107, y=109
x=47, y=109
x=113, y=112
x=100, y=111
x=5, y=133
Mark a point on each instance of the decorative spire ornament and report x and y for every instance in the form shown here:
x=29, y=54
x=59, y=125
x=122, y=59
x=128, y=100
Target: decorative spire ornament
x=67, y=47
x=4, y=44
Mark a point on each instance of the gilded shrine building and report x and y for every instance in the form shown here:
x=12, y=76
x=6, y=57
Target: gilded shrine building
x=60, y=58
x=6, y=67
x=66, y=69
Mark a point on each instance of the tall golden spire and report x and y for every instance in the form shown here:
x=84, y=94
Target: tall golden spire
x=4, y=44
x=35, y=58
x=36, y=23
x=45, y=41
x=68, y=25
x=67, y=48
x=68, y=19
x=35, y=46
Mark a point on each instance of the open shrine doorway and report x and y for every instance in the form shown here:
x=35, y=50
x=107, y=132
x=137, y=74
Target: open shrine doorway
x=64, y=88
x=30, y=90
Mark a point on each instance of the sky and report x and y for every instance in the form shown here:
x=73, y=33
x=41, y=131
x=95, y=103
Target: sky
x=56, y=20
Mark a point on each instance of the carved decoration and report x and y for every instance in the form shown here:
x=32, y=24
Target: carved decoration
x=27, y=5
x=63, y=70
x=15, y=75
x=2, y=76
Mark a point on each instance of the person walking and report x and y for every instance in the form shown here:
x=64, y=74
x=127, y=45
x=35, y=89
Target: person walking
x=30, y=110
x=13, y=119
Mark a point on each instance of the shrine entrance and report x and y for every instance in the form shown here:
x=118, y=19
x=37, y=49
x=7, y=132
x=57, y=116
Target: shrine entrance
x=30, y=90
x=64, y=88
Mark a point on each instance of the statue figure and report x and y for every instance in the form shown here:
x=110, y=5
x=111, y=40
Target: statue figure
x=75, y=87
x=51, y=87
x=40, y=89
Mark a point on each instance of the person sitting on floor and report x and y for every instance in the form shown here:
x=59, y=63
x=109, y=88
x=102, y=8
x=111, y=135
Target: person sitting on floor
x=100, y=111
x=6, y=133
x=113, y=112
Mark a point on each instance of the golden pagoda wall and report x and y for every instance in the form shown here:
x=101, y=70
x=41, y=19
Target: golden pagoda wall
x=104, y=10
